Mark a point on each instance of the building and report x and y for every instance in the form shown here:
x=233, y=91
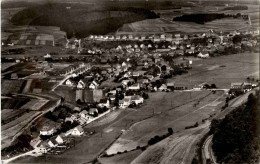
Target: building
x=59, y=139
x=84, y=115
x=203, y=54
x=52, y=143
x=125, y=102
x=137, y=99
x=104, y=103
x=135, y=86
x=47, y=130
x=236, y=87
x=77, y=131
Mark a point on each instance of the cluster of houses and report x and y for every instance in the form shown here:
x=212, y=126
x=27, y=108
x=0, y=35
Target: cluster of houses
x=241, y=87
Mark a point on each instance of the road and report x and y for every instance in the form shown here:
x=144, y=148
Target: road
x=207, y=152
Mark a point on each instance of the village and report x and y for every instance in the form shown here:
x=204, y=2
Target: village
x=113, y=73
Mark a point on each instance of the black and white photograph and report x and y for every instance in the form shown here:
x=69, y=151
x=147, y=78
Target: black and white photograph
x=130, y=82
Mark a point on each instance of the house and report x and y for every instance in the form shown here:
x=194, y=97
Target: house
x=93, y=85
x=150, y=77
x=236, y=87
x=170, y=86
x=203, y=54
x=136, y=74
x=247, y=86
x=137, y=99
x=42, y=147
x=69, y=83
x=104, y=103
x=134, y=86
x=179, y=87
x=112, y=97
x=47, y=130
x=77, y=131
x=52, y=143
x=59, y=139
x=125, y=102
x=34, y=142
x=156, y=38
x=163, y=87
x=92, y=111
x=68, y=119
x=81, y=85
x=168, y=37
x=84, y=114
x=74, y=116
x=179, y=52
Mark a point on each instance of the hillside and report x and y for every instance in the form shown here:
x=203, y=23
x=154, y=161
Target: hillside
x=81, y=20
x=236, y=137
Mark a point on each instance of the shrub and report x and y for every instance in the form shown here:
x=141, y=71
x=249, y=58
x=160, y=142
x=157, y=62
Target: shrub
x=170, y=131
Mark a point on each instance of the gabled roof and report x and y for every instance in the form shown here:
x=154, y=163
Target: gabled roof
x=79, y=128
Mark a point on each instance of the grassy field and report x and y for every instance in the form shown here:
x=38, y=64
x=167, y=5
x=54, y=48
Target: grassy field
x=165, y=23
x=221, y=70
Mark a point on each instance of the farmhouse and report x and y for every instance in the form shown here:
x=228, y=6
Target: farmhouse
x=135, y=86
x=84, y=114
x=137, y=99
x=163, y=87
x=52, y=143
x=93, y=85
x=92, y=111
x=59, y=139
x=104, y=103
x=77, y=131
x=125, y=102
x=47, y=130
x=236, y=87
x=203, y=54
x=81, y=85
x=69, y=83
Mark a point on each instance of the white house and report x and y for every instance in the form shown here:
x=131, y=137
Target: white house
x=59, y=139
x=136, y=86
x=203, y=54
x=84, y=114
x=52, y=143
x=69, y=83
x=93, y=85
x=47, y=130
x=125, y=102
x=163, y=87
x=77, y=131
x=137, y=99
x=43, y=147
x=81, y=85
x=104, y=103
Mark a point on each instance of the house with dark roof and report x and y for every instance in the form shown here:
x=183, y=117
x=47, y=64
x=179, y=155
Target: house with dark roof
x=52, y=143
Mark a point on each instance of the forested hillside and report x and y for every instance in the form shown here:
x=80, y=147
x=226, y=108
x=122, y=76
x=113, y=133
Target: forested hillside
x=236, y=137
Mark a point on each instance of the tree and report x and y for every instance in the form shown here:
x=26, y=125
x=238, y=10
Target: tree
x=170, y=131
x=163, y=68
x=213, y=86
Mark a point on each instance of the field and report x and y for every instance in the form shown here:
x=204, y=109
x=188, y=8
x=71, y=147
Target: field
x=165, y=23
x=160, y=111
x=221, y=70
x=11, y=129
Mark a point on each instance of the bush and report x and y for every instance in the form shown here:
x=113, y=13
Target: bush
x=170, y=131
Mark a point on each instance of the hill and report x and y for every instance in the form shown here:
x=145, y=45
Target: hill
x=236, y=137
x=82, y=20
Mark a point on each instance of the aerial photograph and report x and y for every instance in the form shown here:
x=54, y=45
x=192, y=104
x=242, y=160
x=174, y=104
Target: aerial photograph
x=130, y=82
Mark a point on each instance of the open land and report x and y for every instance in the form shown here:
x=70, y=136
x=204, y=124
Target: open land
x=221, y=70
